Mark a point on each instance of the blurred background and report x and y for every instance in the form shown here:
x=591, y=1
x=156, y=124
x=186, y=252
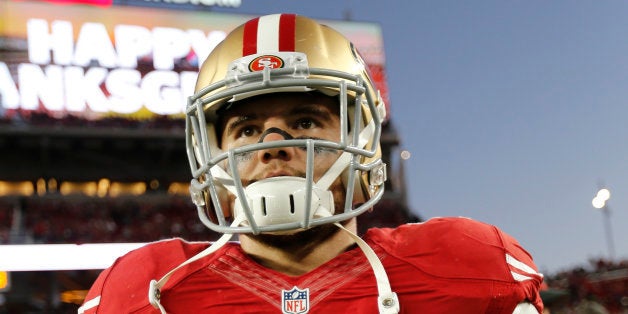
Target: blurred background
x=509, y=113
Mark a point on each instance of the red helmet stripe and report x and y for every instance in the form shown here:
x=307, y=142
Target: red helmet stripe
x=286, y=32
x=268, y=34
x=249, y=45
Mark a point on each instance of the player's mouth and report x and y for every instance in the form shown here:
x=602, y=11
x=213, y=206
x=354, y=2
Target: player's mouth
x=276, y=173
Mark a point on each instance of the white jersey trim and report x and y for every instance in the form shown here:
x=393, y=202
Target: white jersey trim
x=520, y=277
x=521, y=266
x=89, y=304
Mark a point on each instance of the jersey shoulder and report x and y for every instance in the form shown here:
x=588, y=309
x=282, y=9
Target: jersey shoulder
x=124, y=285
x=457, y=247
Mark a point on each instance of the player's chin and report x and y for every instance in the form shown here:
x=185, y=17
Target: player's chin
x=298, y=238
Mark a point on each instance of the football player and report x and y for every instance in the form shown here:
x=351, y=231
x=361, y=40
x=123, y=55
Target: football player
x=282, y=136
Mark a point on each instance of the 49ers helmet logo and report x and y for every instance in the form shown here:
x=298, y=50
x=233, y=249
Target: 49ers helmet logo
x=265, y=61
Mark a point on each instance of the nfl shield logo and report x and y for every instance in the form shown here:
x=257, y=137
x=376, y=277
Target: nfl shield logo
x=295, y=301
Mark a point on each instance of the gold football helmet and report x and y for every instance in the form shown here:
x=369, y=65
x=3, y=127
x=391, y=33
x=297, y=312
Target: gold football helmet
x=284, y=53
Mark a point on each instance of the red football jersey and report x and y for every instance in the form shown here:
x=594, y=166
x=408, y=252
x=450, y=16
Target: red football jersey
x=443, y=265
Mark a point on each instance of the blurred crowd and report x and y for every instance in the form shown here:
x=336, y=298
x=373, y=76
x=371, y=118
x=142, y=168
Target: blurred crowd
x=600, y=287
x=96, y=220
x=126, y=219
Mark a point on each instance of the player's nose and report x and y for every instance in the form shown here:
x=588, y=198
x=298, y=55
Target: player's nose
x=274, y=134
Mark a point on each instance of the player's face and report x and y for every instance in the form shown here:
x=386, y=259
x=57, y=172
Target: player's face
x=275, y=117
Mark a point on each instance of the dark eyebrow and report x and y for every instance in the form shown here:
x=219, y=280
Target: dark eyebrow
x=238, y=121
x=315, y=110
x=311, y=109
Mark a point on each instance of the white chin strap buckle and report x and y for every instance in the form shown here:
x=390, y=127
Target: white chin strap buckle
x=281, y=200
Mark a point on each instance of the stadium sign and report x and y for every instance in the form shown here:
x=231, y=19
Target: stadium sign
x=209, y=3
x=155, y=3
x=93, y=62
x=66, y=74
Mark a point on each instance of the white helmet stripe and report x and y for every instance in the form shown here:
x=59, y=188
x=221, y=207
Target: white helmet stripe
x=268, y=31
x=269, y=34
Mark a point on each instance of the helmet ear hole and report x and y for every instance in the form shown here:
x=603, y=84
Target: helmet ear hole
x=209, y=208
x=360, y=192
x=225, y=204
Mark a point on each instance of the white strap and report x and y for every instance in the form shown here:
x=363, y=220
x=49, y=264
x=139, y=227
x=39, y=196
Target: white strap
x=224, y=178
x=388, y=302
x=154, y=290
x=334, y=171
x=345, y=158
x=525, y=308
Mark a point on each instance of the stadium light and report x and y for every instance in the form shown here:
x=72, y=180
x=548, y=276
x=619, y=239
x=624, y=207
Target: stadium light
x=5, y=283
x=30, y=257
x=600, y=202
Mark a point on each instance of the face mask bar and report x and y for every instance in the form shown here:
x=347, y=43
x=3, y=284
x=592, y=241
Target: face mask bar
x=205, y=158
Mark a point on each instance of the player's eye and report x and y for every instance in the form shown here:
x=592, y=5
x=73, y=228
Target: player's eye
x=247, y=131
x=305, y=124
